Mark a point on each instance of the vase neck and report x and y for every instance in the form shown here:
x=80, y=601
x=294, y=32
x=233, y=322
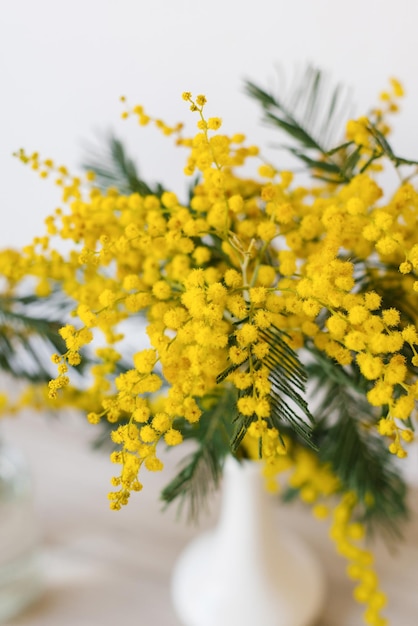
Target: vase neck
x=246, y=505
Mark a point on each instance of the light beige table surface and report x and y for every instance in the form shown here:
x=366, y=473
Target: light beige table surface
x=104, y=568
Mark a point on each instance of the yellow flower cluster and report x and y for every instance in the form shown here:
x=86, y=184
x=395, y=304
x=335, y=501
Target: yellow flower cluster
x=327, y=268
x=144, y=119
x=359, y=130
x=71, y=185
x=243, y=256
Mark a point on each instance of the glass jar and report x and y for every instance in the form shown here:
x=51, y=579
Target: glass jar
x=20, y=580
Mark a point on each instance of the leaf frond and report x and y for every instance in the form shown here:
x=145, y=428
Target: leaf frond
x=349, y=442
x=201, y=471
x=287, y=377
x=312, y=111
x=113, y=167
x=28, y=337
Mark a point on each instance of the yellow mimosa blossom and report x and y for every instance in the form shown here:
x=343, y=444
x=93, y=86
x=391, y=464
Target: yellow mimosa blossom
x=245, y=289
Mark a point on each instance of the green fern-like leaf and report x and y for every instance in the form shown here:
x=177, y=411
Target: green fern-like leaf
x=114, y=168
x=386, y=148
x=348, y=441
x=201, y=471
x=287, y=377
x=313, y=114
x=28, y=337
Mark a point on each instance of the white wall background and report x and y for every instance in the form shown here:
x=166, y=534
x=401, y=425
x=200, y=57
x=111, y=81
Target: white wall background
x=63, y=66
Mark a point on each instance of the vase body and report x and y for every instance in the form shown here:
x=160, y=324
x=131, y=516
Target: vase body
x=20, y=580
x=248, y=571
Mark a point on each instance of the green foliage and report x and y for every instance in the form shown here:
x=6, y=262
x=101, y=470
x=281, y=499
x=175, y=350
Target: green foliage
x=313, y=114
x=201, y=470
x=28, y=336
x=287, y=377
x=114, y=168
x=386, y=149
x=348, y=440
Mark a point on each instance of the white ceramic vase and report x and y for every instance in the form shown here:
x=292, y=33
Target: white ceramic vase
x=248, y=571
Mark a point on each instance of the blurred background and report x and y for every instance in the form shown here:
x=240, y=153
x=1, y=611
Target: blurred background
x=63, y=67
